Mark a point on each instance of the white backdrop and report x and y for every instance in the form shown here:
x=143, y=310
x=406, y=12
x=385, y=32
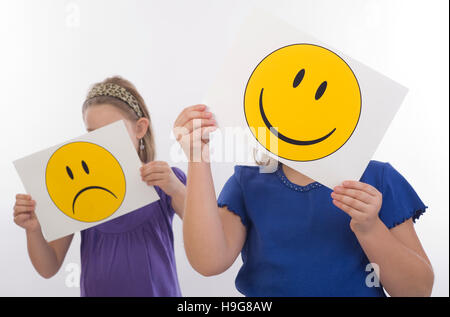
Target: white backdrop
x=51, y=51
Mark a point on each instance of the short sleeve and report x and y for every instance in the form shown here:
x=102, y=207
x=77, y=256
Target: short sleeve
x=180, y=174
x=400, y=200
x=232, y=197
x=166, y=199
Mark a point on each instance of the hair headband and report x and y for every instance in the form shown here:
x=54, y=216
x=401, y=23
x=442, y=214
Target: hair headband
x=115, y=91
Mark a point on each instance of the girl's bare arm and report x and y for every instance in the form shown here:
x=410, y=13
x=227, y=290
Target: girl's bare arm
x=46, y=257
x=213, y=236
x=404, y=268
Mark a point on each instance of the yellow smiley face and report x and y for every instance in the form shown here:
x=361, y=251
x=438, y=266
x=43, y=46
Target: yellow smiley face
x=85, y=181
x=307, y=97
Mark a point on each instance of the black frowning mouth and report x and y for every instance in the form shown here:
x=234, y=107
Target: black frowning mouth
x=283, y=137
x=88, y=188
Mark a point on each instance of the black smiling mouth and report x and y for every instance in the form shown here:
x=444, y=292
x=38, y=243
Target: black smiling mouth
x=88, y=188
x=283, y=137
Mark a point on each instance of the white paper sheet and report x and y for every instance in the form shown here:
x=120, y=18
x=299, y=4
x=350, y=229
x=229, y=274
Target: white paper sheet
x=115, y=139
x=262, y=34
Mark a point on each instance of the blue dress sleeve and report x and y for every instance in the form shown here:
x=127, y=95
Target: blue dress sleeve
x=400, y=200
x=232, y=196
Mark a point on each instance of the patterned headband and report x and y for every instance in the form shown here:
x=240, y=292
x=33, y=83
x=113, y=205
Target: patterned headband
x=115, y=91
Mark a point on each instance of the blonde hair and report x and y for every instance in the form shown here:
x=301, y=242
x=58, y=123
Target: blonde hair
x=147, y=154
x=262, y=159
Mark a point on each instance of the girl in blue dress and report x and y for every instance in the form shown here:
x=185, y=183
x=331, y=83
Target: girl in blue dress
x=296, y=236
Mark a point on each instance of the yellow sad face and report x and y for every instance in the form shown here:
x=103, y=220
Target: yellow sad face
x=306, y=99
x=85, y=181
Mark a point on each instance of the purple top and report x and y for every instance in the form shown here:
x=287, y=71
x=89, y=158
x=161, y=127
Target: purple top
x=132, y=255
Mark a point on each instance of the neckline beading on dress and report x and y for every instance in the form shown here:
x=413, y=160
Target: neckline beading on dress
x=279, y=172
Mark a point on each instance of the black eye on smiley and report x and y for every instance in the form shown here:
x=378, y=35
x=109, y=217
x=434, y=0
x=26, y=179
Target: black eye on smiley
x=69, y=172
x=85, y=167
x=298, y=79
x=86, y=170
x=319, y=93
x=321, y=90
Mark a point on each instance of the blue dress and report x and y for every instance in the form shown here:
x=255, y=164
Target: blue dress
x=298, y=243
